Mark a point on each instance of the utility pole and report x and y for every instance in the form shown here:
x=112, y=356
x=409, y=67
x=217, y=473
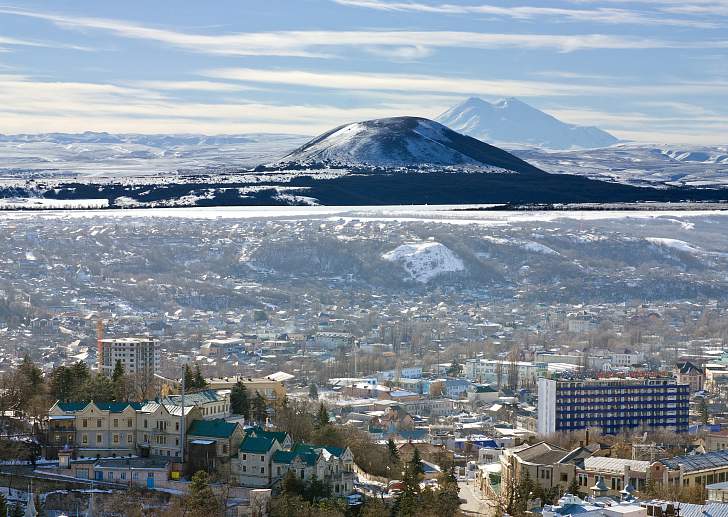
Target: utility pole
x=182, y=422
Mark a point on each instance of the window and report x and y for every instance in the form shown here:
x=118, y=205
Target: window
x=84, y=439
x=278, y=471
x=129, y=422
x=84, y=423
x=98, y=438
x=224, y=449
x=116, y=438
x=135, y=475
x=128, y=438
x=245, y=469
x=564, y=478
x=122, y=475
x=98, y=422
x=146, y=423
x=245, y=457
x=262, y=458
x=262, y=470
x=116, y=422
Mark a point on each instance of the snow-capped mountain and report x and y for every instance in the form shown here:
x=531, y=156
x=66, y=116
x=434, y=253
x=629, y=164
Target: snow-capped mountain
x=400, y=142
x=513, y=123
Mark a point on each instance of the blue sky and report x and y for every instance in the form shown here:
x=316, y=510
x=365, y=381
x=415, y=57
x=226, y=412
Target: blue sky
x=647, y=70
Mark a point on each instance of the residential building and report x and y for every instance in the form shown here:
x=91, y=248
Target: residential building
x=211, y=444
x=158, y=430
x=687, y=373
x=143, y=472
x=264, y=458
x=612, y=404
x=93, y=427
x=138, y=355
x=333, y=465
x=269, y=388
x=495, y=371
x=213, y=404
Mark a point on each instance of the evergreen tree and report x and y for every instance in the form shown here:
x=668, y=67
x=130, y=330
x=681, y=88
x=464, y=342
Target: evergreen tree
x=703, y=411
x=201, y=500
x=322, y=417
x=200, y=382
x=415, y=464
x=574, y=487
x=291, y=484
x=313, y=391
x=16, y=510
x=119, y=381
x=393, y=452
x=189, y=379
x=455, y=368
x=99, y=388
x=118, y=371
x=260, y=408
x=62, y=385
x=239, y=401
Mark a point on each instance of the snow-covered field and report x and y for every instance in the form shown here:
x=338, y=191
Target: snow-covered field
x=639, y=164
x=100, y=154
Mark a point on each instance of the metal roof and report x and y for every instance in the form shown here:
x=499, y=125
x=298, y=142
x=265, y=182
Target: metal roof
x=696, y=462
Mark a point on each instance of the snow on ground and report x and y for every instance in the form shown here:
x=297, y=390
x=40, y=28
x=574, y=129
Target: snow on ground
x=533, y=246
x=425, y=260
x=683, y=246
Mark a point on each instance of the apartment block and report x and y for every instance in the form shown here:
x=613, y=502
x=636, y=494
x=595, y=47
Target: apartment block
x=612, y=405
x=138, y=355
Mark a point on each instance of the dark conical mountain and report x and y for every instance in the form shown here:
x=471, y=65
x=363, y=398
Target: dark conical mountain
x=401, y=142
x=513, y=123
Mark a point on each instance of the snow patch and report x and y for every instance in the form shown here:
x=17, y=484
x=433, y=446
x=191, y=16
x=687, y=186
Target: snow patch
x=425, y=260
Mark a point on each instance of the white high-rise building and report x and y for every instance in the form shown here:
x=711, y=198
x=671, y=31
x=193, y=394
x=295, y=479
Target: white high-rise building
x=138, y=355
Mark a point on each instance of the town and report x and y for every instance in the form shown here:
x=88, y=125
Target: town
x=216, y=373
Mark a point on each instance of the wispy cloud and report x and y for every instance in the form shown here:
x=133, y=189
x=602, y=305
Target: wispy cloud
x=322, y=43
x=453, y=84
x=604, y=15
x=30, y=105
x=15, y=42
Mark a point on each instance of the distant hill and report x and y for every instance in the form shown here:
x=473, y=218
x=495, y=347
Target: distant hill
x=400, y=142
x=513, y=123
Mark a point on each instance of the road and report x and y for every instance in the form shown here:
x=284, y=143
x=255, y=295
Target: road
x=474, y=505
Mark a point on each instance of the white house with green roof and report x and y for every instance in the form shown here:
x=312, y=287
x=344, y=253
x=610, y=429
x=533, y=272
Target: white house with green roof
x=264, y=458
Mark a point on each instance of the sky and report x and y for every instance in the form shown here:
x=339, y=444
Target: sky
x=645, y=70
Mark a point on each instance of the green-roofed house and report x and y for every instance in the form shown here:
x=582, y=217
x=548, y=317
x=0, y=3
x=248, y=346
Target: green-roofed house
x=211, y=444
x=283, y=437
x=333, y=465
x=93, y=428
x=264, y=458
x=253, y=465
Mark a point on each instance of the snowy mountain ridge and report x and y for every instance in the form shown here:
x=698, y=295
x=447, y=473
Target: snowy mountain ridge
x=513, y=123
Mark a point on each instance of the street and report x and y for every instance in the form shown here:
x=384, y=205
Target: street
x=474, y=505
